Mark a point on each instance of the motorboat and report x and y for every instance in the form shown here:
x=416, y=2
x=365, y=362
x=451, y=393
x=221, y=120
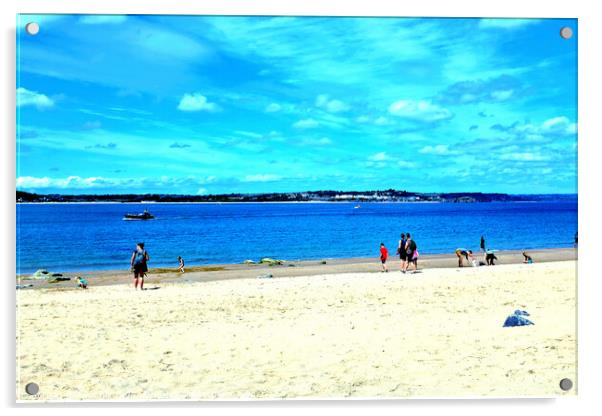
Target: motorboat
x=142, y=216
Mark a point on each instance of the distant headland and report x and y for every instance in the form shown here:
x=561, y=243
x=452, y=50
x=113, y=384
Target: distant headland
x=388, y=195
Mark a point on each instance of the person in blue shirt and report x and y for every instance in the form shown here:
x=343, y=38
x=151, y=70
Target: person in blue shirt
x=139, y=266
x=81, y=282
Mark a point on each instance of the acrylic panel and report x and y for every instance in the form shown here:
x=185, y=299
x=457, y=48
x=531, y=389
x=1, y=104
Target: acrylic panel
x=267, y=207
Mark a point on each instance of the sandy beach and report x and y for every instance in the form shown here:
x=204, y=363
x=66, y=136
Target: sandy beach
x=362, y=334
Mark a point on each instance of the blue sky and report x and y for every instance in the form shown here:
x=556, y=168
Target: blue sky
x=201, y=105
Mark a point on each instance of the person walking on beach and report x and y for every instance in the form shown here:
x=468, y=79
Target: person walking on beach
x=180, y=264
x=401, y=250
x=461, y=253
x=384, y=255
x=411, y=253
x=483, y=244
x=139, y=266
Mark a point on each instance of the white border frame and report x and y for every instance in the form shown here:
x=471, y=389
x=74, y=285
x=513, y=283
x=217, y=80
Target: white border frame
x=590, y=67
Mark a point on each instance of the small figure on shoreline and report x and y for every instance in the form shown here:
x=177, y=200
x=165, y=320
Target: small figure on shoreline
x=411, y=253
x=401, y=250
x=576, y=238
x=528, y=259
x=490, y=257
x=461, y=253
x=81, y=282
x=138, y=264
x=483, y=244
x=180, y=264
x=384, y=255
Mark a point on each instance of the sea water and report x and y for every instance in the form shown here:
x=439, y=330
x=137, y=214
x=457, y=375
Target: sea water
x=68, y=237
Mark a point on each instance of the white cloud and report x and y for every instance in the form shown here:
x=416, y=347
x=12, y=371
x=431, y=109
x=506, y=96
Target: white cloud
x=524, y=157
x=250, y=134
x=377, y=160
x=98, y=182
x=440, y=149
x=420, y=110
x=196, y=102
x=554, y=126
x=502, y=95
x=99, y=19
x=92, y=125
x=273, y=108
x=509, y=23
x=308, y=123
x=378, y=157
x=381, y=121
x=336, y=106
x=405, y=164
x=202, y=191
x=467, y=98
x=332, y=106
x=26, y=97
x=571, y=128
x=321, y=100
x=324, y=141
x=262, y=178
x=535, y=138
x=30, y=182
x=559, y=125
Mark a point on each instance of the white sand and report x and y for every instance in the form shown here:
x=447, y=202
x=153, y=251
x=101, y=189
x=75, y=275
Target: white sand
x=437, y=333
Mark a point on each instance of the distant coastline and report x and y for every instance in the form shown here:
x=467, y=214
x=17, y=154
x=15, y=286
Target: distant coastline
x=389, y=195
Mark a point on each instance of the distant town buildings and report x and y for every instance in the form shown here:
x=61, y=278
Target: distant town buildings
x=389, y=195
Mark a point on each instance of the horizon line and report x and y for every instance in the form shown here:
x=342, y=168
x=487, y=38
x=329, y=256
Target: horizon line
x=296, y=192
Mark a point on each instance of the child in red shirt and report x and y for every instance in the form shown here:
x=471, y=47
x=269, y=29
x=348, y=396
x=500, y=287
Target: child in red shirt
x=384, y=255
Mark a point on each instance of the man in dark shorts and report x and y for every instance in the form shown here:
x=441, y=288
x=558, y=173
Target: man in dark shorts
x=401, y=250
x=490, y=257
x=138, y=264
x=410, y=251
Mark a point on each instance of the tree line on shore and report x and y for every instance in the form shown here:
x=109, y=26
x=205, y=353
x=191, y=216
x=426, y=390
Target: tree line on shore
x=389, y=195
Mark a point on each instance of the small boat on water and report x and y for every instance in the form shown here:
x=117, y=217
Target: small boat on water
x=357, y=207
x=143, y=216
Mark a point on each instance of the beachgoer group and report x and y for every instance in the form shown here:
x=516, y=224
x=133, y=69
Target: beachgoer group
x=406, y=249
x=408, y=252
